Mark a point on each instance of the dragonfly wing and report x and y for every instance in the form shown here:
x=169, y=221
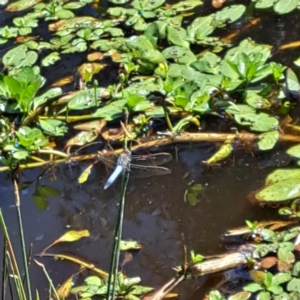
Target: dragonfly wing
x=145, y=172
x=114, y=175
x=155, y=159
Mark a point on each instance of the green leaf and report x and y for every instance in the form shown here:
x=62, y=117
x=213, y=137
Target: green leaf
x=111, y=111
x=193, y=192
x=275, y=289
x=263, y=296
x=177, y=36
x=53, y=127
x=286, y=255
x=257, y=122
x=294, y=151
x=15, y=56
x=215, y=295
x=262, y=4
x=268, y=140
x=293, y=285
x=129, y=245
x=285, y=6
x=50, y=59
x=186, y=5
x=240, y=296
x=280, y=278
x=230, y=13
x=47, y=191
x=179, y=54
x=50, y=94
x=146, y=4
x=41, y=202
x=282, y=174
x=253, y=287
x=280, y=191
x=292, y=82
x=296, y=269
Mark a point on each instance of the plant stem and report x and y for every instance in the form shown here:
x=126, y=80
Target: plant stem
x=12, y=258
x=25, y=262
x=48, y=278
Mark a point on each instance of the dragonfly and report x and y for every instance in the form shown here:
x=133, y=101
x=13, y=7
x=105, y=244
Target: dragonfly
x=141, y=166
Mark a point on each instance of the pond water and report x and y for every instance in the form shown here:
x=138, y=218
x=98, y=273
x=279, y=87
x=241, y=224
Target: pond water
x=156, y=214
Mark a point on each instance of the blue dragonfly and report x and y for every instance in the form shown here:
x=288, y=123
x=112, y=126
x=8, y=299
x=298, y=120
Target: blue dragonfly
x=145, y=165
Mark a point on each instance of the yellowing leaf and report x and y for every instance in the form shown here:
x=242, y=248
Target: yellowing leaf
x=64, y=290
x=72, y=236
x=85, y=174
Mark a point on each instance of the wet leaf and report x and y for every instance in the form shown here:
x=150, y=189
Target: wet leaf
x=282, y=174
x=72, y=236
x=41, y=202
x=294, y=151
x=292, y=82
x=296, y=269
x=95, y=56
x=293, y=285
x=262, y=4
x=230, y=13
x=263, y=296
x=47, y=191
x=240, y=296
x=50, y=59
x=281, y=278
x=85, y=174
x=179, y=54
x=129, y=245
x=257, y=122
x=110, y=111
x=53, y=127
x=65, y=289
x=280, y=191
x=286, y=255
x=21, y=5
x=82, y=138
x=285, y=6
x=268, y=140
x=177, y=36
x=50, y=94
x=193, y=192
x=268, y=262
x=223, y=152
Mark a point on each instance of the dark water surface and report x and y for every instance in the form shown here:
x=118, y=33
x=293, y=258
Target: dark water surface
x=156, y=214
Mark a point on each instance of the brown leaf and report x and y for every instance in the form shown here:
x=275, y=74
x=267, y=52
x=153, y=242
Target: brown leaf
x=95, y=56
x=217, y=3
x=268, y=262
x=283, y=267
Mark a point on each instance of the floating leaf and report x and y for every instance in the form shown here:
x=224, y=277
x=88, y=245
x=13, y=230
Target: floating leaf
x=240, y=296
x=53, y=127
x=85, y=174
x=192, y=193
x=223, y=152
x=50, y=59
x=230, y=13
x=72, y=236
x=285, y=6
x=21, y=5
x=42, y=99
x=129, y=245
x=268, y=140
x=282, y=174
x=280, y=191
x=64, y=290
